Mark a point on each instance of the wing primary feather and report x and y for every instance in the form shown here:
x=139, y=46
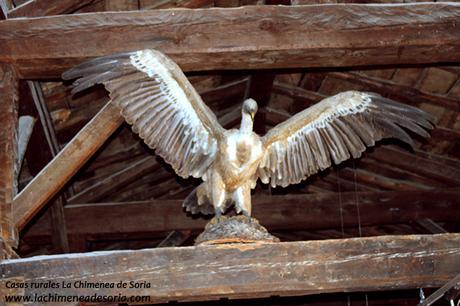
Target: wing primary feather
x=88, y=82
x=361, y=128
x=392, y=130
x=77, y=70
x=406, y=123
x=402, y=107
x=100, y=68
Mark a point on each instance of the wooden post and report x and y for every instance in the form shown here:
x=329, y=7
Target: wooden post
x=8, y=148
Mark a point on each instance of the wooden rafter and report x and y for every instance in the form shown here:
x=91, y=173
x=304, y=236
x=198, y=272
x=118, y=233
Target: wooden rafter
x=249, y=37
x=251, y=270
x=8, y=151
x=69, y=160
x=112, y=183
x=287, y=212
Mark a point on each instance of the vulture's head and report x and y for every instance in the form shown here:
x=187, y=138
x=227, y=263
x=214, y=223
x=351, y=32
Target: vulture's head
x=250, y=107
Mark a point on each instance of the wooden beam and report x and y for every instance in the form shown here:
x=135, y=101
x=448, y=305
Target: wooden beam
x=39, y=8
x=69, y=160
x=247, y=270
x=121, y=5
x=417, y=164
x=114, y=182
x=174, y=238
x=260, y=87
x=397, y=92
x=294, y=212
x=8, y=150
x=249, y=37
x=25, y=127
x=3, y=10
x=431, y=226
x=441, y=292
x=58, y=224
x=36, y=159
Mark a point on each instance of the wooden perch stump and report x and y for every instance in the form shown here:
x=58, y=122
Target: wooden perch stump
x=235, y=229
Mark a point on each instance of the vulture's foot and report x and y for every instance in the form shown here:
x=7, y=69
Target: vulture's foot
x=235, y=229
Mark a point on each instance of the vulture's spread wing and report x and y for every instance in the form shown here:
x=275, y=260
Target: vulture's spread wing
x=160, y=103
x=333, y=130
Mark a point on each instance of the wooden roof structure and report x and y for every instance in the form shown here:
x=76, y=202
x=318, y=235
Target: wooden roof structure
x=75, y=179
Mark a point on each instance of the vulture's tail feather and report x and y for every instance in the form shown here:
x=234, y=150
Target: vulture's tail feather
x=191, y=205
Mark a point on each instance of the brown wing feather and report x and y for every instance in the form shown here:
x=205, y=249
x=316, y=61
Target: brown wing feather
x=159, y=102
x=333, y=130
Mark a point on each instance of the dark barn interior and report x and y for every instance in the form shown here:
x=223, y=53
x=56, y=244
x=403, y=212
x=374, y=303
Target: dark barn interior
x=74, y=178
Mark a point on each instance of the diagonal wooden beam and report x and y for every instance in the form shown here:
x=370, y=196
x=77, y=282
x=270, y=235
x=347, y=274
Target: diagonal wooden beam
x=117, y=180
x=3, y=10
x=69, y=160
x=57, y=208
x=39, y=8
x=250, y=37
x=246, y=270
x=8, y=150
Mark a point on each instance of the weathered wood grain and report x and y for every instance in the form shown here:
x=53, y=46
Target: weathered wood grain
x=251, y=270
x=287, y=212
x=8, y=149
x=69, y=160
x=247, y=37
